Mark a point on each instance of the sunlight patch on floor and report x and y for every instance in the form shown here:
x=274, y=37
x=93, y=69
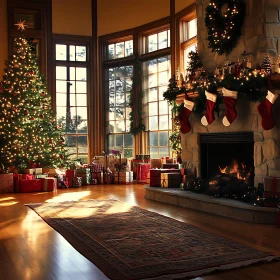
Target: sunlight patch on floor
x=72, y=196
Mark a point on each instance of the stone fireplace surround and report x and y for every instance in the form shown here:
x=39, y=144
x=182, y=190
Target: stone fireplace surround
x=266, y=142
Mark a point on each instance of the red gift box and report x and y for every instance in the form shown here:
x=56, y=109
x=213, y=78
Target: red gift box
x=23, y=176
x=272, y=184
x=26, y=186
x=95, y=178
x=70, y=174
x=142, y=172
x=95, y=167
x=49, y=184
x=7, y=183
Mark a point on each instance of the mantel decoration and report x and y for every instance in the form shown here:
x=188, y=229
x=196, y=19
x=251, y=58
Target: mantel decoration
x=224, y=29
x=203, y=92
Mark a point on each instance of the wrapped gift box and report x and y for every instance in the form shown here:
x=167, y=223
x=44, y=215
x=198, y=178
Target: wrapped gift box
x=33, y=171
x=48, y=184
x=61, y=181
x=24, y=177
x=170, y=165
x=7, y=183
x=84, y=173
x=26, y=186
x=41, y=176
x=142, y=171
x=69, y=175
x=155, y=175
x=272, y=184
x=51, y=172
x=96, y=178
x=135, y=163
x=95, y=167
x=123, y=177
x=77, y=182
x=170, y=180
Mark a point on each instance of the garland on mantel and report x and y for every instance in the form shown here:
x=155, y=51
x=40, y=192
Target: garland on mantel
x=224, y=29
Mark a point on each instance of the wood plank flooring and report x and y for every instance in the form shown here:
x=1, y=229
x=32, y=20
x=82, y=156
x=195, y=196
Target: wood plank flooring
x=30, y=249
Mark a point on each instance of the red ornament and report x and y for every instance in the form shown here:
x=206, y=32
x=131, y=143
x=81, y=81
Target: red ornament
x=41, y=116
x=43, y=93
x=31, y=72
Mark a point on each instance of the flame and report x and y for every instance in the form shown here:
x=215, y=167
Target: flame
x=236, y=169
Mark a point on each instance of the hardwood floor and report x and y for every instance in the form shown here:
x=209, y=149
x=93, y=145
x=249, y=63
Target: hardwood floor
x=30, y=249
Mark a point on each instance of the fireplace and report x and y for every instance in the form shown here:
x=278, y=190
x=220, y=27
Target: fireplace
x=230, y=153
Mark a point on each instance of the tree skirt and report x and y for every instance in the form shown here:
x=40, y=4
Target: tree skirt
x=127, y=242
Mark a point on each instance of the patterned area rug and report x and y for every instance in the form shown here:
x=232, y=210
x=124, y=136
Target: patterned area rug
x=127, y=242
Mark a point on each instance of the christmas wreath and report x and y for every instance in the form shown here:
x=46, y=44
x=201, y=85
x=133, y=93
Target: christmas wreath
x=224, y=29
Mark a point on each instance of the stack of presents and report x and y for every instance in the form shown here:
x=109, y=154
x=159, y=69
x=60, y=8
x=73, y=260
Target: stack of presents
x=32, y=180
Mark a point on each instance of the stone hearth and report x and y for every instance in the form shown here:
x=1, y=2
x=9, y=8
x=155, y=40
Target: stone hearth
x=229, y=208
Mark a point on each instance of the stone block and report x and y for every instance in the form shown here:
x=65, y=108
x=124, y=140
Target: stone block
x=258, y=136
x=273, y=164
x=258, y=156
x=193, y=141
x=261, y=170
x=272, y=15
x=270, y=149
x=274, y=172
x=272, y=133
x=196, y=155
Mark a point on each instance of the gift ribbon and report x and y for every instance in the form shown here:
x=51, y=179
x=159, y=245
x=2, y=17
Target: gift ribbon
x=46, y=184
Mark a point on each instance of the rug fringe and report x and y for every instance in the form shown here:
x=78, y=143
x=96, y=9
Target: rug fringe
x=207, y=271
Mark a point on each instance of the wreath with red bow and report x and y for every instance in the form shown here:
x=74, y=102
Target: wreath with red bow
x=224, y=28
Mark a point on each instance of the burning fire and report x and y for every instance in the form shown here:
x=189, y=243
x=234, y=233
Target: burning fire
x=236, y=169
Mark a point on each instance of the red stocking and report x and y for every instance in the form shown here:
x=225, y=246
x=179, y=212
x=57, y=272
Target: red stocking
x=210, y=104
x=265, y=110
x=230, y=98
x=184, y=116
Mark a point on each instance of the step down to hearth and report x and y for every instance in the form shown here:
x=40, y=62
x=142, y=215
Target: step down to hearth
x=234, y=209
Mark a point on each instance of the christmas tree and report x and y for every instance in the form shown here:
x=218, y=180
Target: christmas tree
x=28, y=129
x=266, y=65
x=194, y=62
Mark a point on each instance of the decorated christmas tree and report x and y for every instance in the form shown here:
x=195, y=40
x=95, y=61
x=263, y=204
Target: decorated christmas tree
x=29, y=134
x=266, y=65
x=194, y=62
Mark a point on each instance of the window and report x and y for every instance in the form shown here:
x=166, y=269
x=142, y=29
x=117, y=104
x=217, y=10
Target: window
x=120, y=49
x=156, y=41
x=71, y=97
x=156, y=74
x=188, y=39
x=118, y=87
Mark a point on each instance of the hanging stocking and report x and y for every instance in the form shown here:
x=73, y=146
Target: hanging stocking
x=184, y=116
x=210, y=104
x=265, y=110
x=230, y=98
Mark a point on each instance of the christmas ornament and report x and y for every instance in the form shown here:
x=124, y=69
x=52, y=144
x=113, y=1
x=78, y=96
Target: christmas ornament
x=21, y=25
x=210, y=104
x=183, y=116
x=265, y=110
x=230, y=98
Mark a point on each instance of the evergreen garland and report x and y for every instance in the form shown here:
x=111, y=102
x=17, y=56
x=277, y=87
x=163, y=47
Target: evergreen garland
x=136, y=97
x=224, y=30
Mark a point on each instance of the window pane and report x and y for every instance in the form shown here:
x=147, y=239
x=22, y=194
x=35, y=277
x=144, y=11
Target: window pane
x=61, y=99
x=82, y=111
x=111, y=51
x=153, y=108
x=119, y=140
x=82, y=126
x=152, y=43
x=192, y=28
x=153, y=123
x=81, y=87
x=81, y=74
x=81, y=100
x=81, y=54
x=120, y=50
x=61, y=86
x=163, y=122
x=162, y=38
x=153, y=139
x=163, y=152
x=128, y=140
x=153, y=96
x=152, y=66
x=72, y=50
x=128, y=48
x=153, y=80
x=60, y=51
x=82, y=144
x=163, y=138
x=162, y=78
x=154, y=152
x=61, y=73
